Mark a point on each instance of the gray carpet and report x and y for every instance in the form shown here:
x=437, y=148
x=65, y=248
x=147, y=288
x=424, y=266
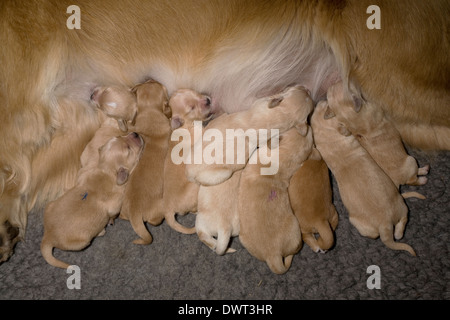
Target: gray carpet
x=177, y=266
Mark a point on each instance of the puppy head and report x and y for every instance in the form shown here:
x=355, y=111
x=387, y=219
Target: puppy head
x=325, y=118
x=117, y=102
x=344, y=100
x=152, y=95
x=297, y=98
x=188, y=106
x=120, y=155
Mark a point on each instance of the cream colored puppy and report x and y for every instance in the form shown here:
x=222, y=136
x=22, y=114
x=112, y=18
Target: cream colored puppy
x=282, y=111
x=116, y=102
x=74, y=219
x=269, y=229
x=377, y=135
x=217, y=216
x=310, y=195
x=371, y=198
x=180, y=195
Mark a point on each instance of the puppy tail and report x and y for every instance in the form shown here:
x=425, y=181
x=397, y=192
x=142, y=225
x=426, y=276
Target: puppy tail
x=326, y=236
x=413, y=194
x=47, y=253
x=277, y=265
x=223, y=239
x=386, y=235
x=139, y=227
x=174, y=224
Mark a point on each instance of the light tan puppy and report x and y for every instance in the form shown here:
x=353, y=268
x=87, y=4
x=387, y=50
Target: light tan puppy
x=180, y=195
x=310, y=195
x=280, y=112
x=74, y=219
x=371, y=198
x=116, y=102
x=145, y=188
x=377, y=135
x=269, y=229
x=217, y=216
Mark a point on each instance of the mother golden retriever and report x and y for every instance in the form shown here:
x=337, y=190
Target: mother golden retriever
x=234, y=50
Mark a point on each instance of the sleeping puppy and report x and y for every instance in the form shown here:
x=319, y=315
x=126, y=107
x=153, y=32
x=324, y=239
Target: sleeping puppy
x=268, y=228
x=217, y=216
x=310, y=195
x=371, y=198
x=74, y=219
x=282, y=111
x=180, y=195
x=377, y=135
x=145, y=188
x=116, y=102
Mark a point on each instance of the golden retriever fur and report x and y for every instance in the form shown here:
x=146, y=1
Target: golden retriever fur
x=374, y=204
x=79, y=215
x=269, y=229
x=179, y=195
x=311, y=201
x=236, y=51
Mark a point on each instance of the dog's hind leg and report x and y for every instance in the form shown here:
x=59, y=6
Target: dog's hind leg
x=139, y=227
x=223, y=239
x=278, y=264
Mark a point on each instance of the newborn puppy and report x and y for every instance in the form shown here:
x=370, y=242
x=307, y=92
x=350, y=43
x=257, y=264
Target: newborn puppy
x=311, y=201
x=217, y=217
x=145, y=188
x=377, y=135
x=269, y=229
x=282, y=111
x=116, y=102
x=371, y=198
x=180, y=195
x=79, y=215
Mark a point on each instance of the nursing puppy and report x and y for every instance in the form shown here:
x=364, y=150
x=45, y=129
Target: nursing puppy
x=377, y=135
x=145, y=188
x=310, y=195
x=235, y=50
x=74, y=219
x=217, y=216
x=269, y=229
x=179, y=195
x=281, y=112
x=371, y=198
x=116, y=102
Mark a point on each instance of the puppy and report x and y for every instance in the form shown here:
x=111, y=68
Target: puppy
x=268, y=228
x=377, y=135
x=371, y=198
x=74, y=219
x=145, y=188
x=116, y=102
x=180, y=195
x=217, y=216
x=310, y=196
x=281, y=112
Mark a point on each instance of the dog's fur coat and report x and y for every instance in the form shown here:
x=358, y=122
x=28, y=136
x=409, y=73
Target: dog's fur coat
x=373, y=202
x=233, y=50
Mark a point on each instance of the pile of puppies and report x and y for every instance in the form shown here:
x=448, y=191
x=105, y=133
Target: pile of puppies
x=127, y=170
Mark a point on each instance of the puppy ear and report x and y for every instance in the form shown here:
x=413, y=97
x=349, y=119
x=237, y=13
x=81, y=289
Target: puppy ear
x=275, y=102
x=133, y=120
x=302, y=129
x=176, y=122
x=122, y=125
x=167, y=110
x=343, y=130
x=122, y=176
x=357, y=103
x=329, y=113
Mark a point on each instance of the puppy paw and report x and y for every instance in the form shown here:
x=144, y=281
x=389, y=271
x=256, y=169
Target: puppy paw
x=424, y=170
x=9, y=236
